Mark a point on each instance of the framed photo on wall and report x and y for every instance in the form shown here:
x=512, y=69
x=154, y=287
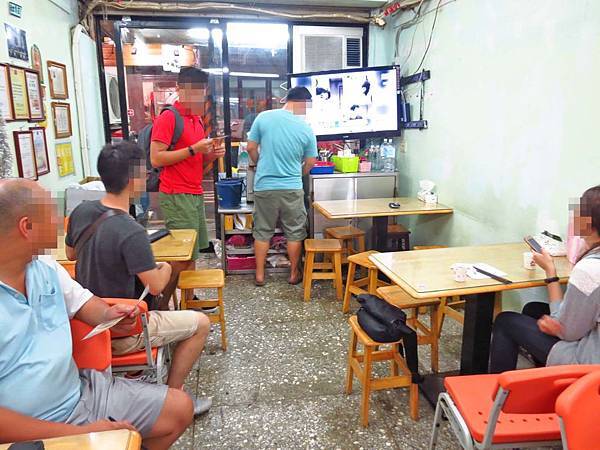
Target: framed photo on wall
x=36, y=61
x=16, y=41
x=6, y=104
x=57, y=77
x=25, y=154
x=64, y=159
x=18, y=92
x=61, y=114
x=40, y=148
x=34, y=93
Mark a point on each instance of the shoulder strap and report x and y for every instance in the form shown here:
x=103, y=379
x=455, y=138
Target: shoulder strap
x=90, y=230
x=178, y=131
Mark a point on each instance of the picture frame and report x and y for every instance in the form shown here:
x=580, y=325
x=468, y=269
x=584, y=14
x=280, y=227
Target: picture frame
x=34, y=94
x=36, y=61
x=40, y=147
x=16, y=42
x=18, y=93
x=6, y=103
x=64, y=159
x=25, y=154
x=61, y=116
x=57, y=79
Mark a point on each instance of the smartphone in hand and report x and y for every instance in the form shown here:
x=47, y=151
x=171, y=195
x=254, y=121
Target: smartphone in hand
x=533, y=244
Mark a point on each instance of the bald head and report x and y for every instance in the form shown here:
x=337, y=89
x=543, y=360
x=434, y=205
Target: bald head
x=18, y=198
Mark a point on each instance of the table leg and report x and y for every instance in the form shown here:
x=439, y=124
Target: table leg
x=380, y=234
x=475, y=351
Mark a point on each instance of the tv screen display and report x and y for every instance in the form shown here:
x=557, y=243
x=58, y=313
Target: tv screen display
x=352, y=103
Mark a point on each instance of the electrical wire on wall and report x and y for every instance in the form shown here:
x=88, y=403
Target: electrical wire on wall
x=171, y=7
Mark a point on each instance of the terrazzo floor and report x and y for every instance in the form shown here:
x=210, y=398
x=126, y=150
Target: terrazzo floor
x=280, y=385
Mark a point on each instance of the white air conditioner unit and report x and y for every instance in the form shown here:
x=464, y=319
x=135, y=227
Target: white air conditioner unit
x=112, y=95
x=327, y=48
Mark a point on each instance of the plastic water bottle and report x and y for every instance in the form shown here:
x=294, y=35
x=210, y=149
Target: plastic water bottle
x=243, y=158
x=389, y=156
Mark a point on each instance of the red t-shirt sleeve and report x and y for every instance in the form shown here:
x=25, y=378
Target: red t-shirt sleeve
x=163, y=128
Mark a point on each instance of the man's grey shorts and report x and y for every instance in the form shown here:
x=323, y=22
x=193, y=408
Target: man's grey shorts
x=104, y=396
x=285, y=205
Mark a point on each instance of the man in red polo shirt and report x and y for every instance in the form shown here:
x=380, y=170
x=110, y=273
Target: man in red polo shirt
x=180, y=195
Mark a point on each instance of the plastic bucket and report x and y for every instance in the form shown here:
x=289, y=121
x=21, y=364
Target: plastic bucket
x=229, y=191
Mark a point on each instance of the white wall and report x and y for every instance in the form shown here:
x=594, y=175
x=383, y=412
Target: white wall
x=513, y=108
x=48, y=25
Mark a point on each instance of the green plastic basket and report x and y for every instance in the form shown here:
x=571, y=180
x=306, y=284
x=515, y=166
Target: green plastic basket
x=346, y=165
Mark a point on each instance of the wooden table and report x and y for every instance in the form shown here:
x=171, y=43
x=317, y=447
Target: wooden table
x=379, y=210
x=176, y=247
x=113, y=440
x=427, y=274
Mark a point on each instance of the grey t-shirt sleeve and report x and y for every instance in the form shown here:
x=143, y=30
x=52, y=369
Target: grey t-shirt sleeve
x=137, y=253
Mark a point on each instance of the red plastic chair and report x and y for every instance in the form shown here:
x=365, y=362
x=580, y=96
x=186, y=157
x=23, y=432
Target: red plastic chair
x=577, y=408
x=512, y=409
x=94, y=353
x=149, y=359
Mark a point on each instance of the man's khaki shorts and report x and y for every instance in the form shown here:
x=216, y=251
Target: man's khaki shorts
x=164, y=327
x=186, y=211
x=285, y=205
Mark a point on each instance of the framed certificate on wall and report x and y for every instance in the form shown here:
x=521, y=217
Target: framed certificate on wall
x=57, y=77
x=61, y=113
x=34, y=94
x=40, y=148
x=18, y=91
x=25, y=154
x=6, y=107
x=64, y=159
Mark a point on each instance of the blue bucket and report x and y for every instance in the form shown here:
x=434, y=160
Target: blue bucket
x=229, y=191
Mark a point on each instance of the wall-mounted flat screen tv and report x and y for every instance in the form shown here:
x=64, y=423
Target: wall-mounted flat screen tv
x=352, y=103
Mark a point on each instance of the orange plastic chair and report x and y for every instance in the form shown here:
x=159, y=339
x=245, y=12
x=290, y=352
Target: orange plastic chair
x=94, y=353
x=148, y=359
x=577, y=408
x=512, y=409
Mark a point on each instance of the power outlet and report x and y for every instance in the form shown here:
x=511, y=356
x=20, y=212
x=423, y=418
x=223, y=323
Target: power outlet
x=402, y=146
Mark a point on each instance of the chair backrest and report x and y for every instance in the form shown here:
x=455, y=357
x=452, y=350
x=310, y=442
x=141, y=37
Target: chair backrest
x=534, y=391
x=138, y=328
x=578, y=407
x=94, y=353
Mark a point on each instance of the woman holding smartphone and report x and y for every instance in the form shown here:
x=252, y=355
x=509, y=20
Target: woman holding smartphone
x=571, y=333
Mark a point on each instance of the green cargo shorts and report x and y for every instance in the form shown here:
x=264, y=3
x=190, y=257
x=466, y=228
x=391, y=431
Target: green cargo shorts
x=186, y=211
x=286, y=205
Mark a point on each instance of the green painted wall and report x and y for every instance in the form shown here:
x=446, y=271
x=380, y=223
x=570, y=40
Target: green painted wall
x=514, y=109
x=48, y=25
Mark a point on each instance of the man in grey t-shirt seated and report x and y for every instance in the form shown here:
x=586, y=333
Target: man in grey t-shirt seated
x=117, y=262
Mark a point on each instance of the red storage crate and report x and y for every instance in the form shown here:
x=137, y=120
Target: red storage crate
x=241, y=263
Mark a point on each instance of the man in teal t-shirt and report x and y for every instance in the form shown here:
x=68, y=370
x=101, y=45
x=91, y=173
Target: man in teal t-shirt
x=288, y=150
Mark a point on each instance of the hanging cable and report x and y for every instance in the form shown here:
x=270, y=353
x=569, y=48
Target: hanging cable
x=437, y=9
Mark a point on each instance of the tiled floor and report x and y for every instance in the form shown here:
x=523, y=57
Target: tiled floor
x=280, y=384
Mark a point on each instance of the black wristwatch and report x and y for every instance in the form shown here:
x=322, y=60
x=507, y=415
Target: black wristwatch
x=191, y=150
x=551, y=280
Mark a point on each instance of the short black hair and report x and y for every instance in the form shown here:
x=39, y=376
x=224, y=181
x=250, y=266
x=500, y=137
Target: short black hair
x=116, y=163
x=192, y=75
x=298, y=94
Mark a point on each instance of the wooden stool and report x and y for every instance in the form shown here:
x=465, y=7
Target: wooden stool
x=371, y=281
x=360, y=364
x=426, y=335
x=398, y=238
x=329, y=270
x=204, y=279
x=346, y=236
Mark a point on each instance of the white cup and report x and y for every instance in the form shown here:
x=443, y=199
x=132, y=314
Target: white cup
x=528, y=262
x=460, y=274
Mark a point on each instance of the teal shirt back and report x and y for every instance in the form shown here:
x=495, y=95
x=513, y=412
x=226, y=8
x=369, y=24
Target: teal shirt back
x=285, y=141
x=38, y=376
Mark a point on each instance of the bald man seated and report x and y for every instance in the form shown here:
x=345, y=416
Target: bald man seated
x=42, y=394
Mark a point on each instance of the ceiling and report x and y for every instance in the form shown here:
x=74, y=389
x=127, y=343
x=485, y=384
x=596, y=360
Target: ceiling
x=361, y=4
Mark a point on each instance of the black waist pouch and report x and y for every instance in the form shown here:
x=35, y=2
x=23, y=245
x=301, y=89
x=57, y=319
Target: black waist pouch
x=386, y=323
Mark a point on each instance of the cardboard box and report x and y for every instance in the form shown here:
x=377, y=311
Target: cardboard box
x=228, y=222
